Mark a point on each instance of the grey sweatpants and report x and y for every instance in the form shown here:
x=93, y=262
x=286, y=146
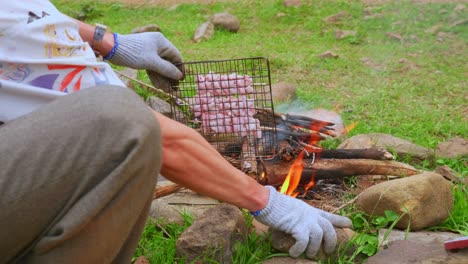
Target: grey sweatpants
x=77, y=177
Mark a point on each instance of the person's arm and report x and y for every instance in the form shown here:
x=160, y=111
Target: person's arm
x=188, y=159
x=87, y=34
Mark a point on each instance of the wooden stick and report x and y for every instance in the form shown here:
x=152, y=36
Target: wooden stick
x=166, y=190
x=276, y=170
x=346, y=204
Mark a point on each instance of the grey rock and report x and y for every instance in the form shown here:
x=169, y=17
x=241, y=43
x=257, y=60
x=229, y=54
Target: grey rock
x=213, y=234
x=292, y=3
x=342, y=34
x=412, y=252
x=288, y=260
x=159, y=105
x=131, y=73
x=329, y=55
x=226, y=21
x=420, y=237
x=337, y=18
x=453, y=148
x=204, y=31
x=147, y=28
x=170, y=208
x=389, y=142
x=426, y=197
x=283, y=92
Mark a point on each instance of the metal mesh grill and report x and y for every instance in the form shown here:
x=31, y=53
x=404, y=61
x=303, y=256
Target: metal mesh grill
x=229, y=102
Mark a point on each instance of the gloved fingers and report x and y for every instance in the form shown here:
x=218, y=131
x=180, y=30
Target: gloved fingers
x=166, y=69
x=302, y=239
x=329, y=235
x=336, y=220
x=167, y=50
x=315, y=240
x=161, y=82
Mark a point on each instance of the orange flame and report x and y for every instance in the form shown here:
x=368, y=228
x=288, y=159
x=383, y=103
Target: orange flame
x=293, y=178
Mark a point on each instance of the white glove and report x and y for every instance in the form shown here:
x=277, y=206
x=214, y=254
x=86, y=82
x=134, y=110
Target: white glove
x=148, y=51
x=308, y=225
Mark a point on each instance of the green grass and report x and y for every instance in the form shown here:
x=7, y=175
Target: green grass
x=158, y=241
x=415, y=89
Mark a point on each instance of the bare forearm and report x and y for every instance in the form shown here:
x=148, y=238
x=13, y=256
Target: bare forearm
x=87, y=33
x=188, y=159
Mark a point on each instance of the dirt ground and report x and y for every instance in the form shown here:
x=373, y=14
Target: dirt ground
x=174, y=2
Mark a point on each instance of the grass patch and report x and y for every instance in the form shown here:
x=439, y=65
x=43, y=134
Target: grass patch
x=158, y=241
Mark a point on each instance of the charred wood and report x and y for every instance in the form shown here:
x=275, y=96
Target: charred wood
x=275, y=171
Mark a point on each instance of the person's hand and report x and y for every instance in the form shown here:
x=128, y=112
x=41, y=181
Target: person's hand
x=149, y=51
x=308, y=225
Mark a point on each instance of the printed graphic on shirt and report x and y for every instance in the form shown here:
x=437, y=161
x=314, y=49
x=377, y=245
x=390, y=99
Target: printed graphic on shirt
x=33, y=17
x=45, y=81
x=70, y=76
x=100, y=76
x=63, y=43
x=14, y=72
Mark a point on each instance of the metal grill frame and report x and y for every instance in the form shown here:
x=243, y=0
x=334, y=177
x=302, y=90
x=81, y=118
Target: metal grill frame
x=258, y=141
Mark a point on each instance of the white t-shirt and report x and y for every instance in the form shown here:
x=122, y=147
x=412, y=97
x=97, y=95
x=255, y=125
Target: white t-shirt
x=42, y=57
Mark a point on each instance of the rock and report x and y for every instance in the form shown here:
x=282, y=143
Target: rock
x=226, y=21
x=385, y=141
x=337, y=18
x=213, y=234
x=141, y=260
x=259, y=228
x=342, y=34
x=293, y=3
x=131, y=73
x=372, y=64
x=169, y=208
x=283, y=242
x=288, y=260
x=426, y=197
x=283, y=92
x=204, y=31
x=448, y=174
x=453, y=148
x=147, y=28
x=329, y=55
x=419, y=237
x=159, y=105
x=411, y=252
x=395, y=36
x=459, y=7
x=434, y=29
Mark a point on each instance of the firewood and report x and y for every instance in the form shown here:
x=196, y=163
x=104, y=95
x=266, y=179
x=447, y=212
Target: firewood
x=162, y=191
x=288, y=152
x=276, y=171
x=369, y=153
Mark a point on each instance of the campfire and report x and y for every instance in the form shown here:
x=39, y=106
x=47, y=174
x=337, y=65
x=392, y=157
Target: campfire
x=229, y=102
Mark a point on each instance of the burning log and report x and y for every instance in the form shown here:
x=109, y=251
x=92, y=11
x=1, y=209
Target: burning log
x=275, y=171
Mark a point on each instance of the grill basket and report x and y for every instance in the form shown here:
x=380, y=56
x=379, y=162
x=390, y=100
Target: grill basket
x=229, y=102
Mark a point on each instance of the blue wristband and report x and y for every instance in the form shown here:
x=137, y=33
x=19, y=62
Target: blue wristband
x=114, y=49
x=256, y=213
